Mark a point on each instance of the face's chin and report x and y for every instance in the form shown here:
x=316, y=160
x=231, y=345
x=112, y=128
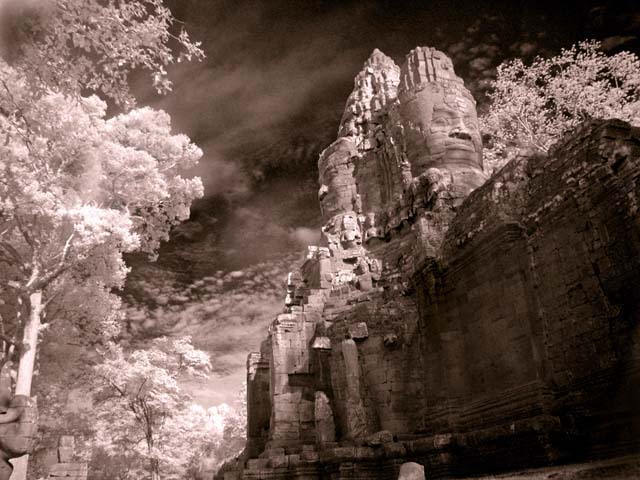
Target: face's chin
x=462, y=154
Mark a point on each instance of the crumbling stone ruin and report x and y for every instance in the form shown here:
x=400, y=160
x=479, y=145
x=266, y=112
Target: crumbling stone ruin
x=465, y=324
x=18, y=423
x=68, y=466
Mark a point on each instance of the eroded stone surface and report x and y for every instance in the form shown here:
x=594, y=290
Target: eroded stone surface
x=379, y=438
x=18, y=429
x=68, y=466
x=411, y=471
x=501, y=322
x=325, y=425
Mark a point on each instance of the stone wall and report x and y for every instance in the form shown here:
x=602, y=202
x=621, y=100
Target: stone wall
x=68, y=466
x=468, y=325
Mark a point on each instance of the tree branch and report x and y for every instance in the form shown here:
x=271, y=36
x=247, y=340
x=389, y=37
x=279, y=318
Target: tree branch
x=19, y=262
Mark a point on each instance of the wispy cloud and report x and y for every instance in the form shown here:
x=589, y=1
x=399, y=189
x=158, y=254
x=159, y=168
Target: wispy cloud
x=240, y=100
x=226, y=314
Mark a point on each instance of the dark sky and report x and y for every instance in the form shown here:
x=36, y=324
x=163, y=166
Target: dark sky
x=269, y=95
x=271, y=91
x=268, y=98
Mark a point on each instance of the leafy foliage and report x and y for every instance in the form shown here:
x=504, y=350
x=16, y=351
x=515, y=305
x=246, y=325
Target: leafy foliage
x=532, y=106
x=77, y=191
x=78, y=45
x=225, y=440
x=141, y=408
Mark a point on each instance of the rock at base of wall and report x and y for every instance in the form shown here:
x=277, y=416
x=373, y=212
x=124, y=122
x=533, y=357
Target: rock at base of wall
x=411, y=471
x=69, y=471
x=325, y=425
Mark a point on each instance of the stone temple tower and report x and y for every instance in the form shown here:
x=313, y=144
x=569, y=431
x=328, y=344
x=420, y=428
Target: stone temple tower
x=407, y=154
x=465, y=323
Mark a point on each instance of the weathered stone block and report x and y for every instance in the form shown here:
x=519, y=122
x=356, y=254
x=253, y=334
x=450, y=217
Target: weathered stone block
x=309, y=456
x=359, y=331
x=294, y=459
x=306, y=411
x=65, y=455
x=272, y=452
x=394, y=450
x=411, y=471
x=365, y=282
x=257, y=463
x=324, y=422
x=379, y=438
x=344, y=453
x=321, y=343
x=365, y=453
x=281, y=461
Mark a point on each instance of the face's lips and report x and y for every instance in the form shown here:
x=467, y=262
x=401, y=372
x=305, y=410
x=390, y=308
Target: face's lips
x=460, y=144
x=458, y=134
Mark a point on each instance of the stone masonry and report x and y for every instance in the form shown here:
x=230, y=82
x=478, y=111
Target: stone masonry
x=465, y=324
x=68, y=466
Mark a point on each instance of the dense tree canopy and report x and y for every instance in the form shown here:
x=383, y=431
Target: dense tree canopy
x=142, y=409
x=533, y=106
x=72, y=46
x=78, y=188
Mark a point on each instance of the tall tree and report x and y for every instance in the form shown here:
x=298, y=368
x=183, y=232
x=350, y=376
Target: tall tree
x=77, y=190
x=73, y=46
x=533, y=106
x=142, y=408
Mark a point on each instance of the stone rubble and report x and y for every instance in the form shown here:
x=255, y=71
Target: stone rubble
x=67, y=466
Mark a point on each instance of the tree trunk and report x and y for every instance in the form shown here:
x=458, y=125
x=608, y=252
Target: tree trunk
x=155, y=469
x=25, y=368
x=154, y=463
x=29, y=345
x=19, y=468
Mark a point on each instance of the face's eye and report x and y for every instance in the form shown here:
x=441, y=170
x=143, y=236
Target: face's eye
x=471, y=122
x=440, y=122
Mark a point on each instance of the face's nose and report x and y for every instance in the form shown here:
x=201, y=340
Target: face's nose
x=459, y=131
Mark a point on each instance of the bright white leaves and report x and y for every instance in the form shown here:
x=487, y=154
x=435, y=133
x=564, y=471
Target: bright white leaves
x=533, y=106
x=141, y=406
x=143, y=172
x=77, y=190
x=94, y=45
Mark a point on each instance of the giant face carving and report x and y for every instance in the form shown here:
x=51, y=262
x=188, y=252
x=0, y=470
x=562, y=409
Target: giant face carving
x=337, y=185
x=440, y=129
x=453, y=135
x=350, y=236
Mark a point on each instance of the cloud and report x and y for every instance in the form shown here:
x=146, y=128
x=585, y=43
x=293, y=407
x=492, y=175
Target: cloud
x=218, y=172
x=225, y=391
x=239, y=103
x=616, y=41
x=305, y=236
x=226, y=314
x=480, y=64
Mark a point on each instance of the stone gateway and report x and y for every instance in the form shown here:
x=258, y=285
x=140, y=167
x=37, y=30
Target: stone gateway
x=466, y=324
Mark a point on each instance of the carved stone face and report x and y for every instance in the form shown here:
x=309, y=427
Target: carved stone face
x=371, y=227
x=454, y=131
x=338, y=188
x=440, y=129
x=350, y=232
